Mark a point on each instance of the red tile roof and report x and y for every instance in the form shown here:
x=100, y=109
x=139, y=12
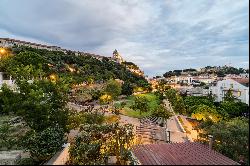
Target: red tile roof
x=243, y=81
x=188, y=153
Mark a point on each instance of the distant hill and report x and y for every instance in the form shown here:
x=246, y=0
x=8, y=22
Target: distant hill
x=220, y=71
x=76, y=68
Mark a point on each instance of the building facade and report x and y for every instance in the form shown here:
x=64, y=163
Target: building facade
x=6, y=79
x=239, y=90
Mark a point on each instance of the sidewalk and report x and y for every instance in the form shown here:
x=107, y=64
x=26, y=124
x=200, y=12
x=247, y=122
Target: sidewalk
x=193, y=133
x=176, y=132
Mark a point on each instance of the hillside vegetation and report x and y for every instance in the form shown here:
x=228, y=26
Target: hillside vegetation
x=74, y=69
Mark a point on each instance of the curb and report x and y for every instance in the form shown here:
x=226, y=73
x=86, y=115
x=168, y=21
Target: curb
x=179, y=123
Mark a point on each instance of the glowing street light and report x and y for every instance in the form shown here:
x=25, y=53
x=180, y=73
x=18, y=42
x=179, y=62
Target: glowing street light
x=71, y=69
x=2, y=51
x=52, y=77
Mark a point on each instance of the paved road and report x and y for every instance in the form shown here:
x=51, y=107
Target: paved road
x=176, y=134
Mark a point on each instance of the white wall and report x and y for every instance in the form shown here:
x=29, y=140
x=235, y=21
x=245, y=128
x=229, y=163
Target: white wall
x=239, y=91
x=9, y=82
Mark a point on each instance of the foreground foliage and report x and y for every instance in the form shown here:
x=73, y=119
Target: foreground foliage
x=96, y=143
x=231, y=137
x=43, y=145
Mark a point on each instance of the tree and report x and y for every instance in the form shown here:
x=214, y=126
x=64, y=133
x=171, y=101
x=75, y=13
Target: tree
x=171, y=95
x=233, y=109
x=230, y=97
x=205, y=113
x=113, y=88
x=43, y=145
x=141, y=104
x=9, y=101
x=163, y=113
x=231, y=138
x=43, y=104
x=127, y=88
x=95, y=143
x=191, y=102
x=87, y=68
x=179, y=105
x=221, y=74
x=162, y=87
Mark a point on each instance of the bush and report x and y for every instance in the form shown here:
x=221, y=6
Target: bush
x=43, y=145
x=9, y=100
x=231, y=138
x=123, y=104
x=105, y=99
x=141, y=104
x=6, y=140
x=113, y=88
x=93, y=118
x=162, y=112
x=26, y=161
x=95, y=143
x=127, y=89
x=75, y=119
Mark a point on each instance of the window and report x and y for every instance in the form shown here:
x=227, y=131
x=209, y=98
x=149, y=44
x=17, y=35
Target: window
x=231, y=85
x=239, y=93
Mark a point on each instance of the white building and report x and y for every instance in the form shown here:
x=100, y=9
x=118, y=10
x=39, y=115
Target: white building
x=180, y=79
x=239, y=90
x=197, y=91
x=205, y=79
x=5, y=79
x=6, y=42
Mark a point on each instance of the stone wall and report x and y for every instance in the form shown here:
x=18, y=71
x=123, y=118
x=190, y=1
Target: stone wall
x=61, y=157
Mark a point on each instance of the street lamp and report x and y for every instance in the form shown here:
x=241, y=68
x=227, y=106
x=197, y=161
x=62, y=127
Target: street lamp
x=2, y=51
x=53, y=77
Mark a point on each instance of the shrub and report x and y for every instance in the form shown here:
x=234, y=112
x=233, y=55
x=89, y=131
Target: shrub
x=93, y=118
x=141, y=104
x=43, y=145
x=95, y=143
x=104, y=99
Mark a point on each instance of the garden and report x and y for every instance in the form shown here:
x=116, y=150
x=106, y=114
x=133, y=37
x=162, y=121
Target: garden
x=139, y=106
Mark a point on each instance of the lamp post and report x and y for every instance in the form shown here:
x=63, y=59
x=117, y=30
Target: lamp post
x=2, y=52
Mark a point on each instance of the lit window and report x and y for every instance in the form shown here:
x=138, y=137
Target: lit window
x=239, y=93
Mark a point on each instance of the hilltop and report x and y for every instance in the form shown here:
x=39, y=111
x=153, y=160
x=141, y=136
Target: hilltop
x=220, y=71
x=73, y=67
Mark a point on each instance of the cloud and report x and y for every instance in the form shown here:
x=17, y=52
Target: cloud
x=157, y=35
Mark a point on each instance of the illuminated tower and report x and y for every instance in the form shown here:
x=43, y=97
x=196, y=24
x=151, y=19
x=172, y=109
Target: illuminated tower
x=117, y=57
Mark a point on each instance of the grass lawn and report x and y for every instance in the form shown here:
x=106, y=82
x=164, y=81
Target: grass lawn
x=135, y=114
x=153, y=103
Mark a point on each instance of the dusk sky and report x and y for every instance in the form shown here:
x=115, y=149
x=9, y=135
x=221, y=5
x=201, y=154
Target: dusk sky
x=157, y=35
